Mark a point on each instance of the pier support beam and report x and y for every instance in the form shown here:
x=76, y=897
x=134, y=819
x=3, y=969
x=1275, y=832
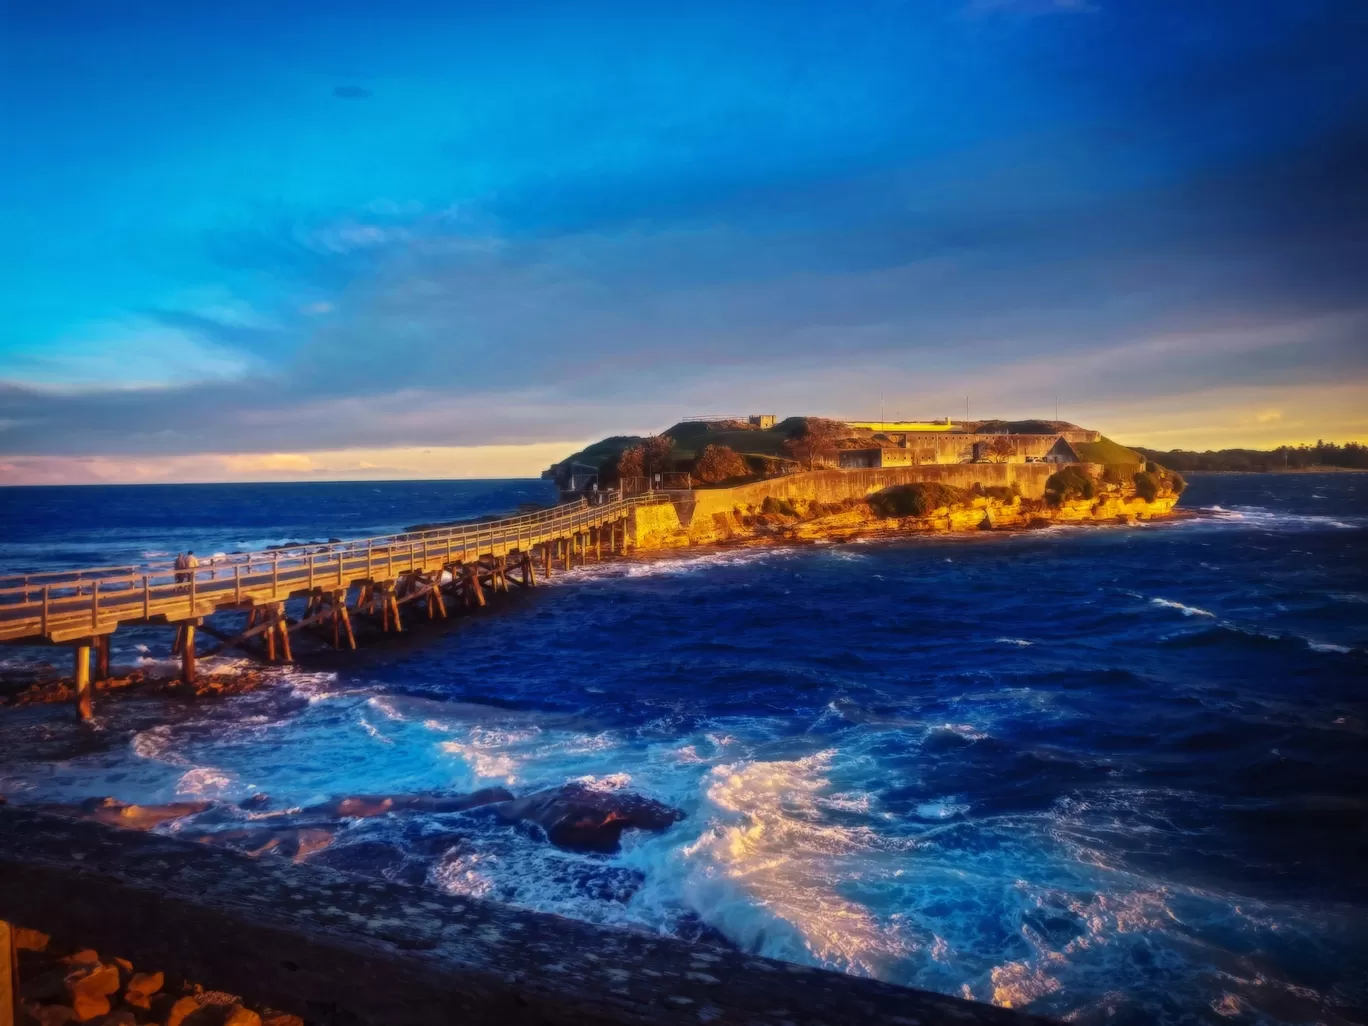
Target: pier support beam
x=187, y=653
x=9, y=976
x=101, y=657
x=84, y=701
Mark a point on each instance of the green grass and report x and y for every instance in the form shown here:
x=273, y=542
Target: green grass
x=1106, y=451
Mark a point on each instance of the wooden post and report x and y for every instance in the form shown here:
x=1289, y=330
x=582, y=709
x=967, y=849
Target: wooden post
x=529, y=573
x=83, y=696
x=598, y=544
x=9, y=976
x=188, y=654
x=102, y=657
x=567, y=546
x=283, y=625
x=346, y=622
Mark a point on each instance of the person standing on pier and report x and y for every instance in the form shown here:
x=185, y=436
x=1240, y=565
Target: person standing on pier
x=185, y=562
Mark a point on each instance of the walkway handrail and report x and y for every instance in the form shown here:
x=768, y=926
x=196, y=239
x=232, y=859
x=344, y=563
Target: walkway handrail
x=22, y=589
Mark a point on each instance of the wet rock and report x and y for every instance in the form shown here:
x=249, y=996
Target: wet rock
x=113, y=812
x=290, y=841
x=30, y=940
x=181, y=1010
x=270, y=1018
x=584, y=819
x=367, y=858
x=367, y=805
x=239, y=1016
x=88, y=989
x=141, y=987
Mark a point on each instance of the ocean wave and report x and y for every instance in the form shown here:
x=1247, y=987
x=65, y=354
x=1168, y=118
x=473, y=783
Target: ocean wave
x=1019, y=642
x=1185, y=610
x=1268, y=519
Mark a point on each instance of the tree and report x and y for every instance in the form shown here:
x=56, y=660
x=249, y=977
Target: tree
x=658, y=454
x=1000, y=450
x=632, y=463
x=814, y=439
x=718, y=463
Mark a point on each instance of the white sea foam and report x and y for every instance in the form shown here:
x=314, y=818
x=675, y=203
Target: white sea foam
x=769, y=865
x=943, y=809
x=1185, y=610
x=1325, y=646
x=206, y=782
x=1021, y=642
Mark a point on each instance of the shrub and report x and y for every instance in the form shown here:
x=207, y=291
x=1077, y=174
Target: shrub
x=1151, y=467
x=1000, y=492
x=1177, y=482
x=1147, y=486
x=1116, y=473
x=1069, y=483
x=718, y=463
x=778, y=507
x=917, y=500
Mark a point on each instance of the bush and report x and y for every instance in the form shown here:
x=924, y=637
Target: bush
x=1151, y=467
x=917, y=500
x=1000, y=492
x=778, y=507
x=1116, y=473
x=718, y=463
x=1147, y=486
x=1177, y=482
x=1069, y=483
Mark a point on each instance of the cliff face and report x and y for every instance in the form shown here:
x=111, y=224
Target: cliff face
x=753, y=520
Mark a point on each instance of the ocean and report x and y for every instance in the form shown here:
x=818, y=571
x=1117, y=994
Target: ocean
x=1114, y=774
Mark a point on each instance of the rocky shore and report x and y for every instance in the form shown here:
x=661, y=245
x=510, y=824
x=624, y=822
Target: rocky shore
x=61, y=983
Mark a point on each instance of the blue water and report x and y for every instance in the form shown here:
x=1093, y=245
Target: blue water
x=1115, y=774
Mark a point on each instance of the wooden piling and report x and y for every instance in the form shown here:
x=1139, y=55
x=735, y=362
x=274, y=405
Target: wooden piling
x=346, y=620
x=187, y=653
x=101, y=657
x=9, y=976
x=84, y=707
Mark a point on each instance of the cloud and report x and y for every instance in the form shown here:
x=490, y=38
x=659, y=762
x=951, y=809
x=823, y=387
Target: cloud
x=400, y=463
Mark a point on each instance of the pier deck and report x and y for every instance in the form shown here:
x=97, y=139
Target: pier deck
x=373, y=576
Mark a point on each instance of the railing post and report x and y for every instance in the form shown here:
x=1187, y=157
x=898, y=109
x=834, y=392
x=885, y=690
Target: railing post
x=147, y=597
x=95, y=603
x=237, y=582
x=193, y=575
x=311, y=571
x=46, y=587
x=275, y=573
x=369, y=554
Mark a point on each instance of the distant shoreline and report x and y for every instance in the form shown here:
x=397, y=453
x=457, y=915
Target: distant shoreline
x=1283, y=470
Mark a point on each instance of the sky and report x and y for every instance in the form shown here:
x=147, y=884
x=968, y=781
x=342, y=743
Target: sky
x=275, y=240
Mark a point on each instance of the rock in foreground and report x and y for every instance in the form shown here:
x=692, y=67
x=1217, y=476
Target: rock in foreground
x=581, y=818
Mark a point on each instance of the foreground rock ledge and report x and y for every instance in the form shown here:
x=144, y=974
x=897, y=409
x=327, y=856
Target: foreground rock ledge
x=335, y=948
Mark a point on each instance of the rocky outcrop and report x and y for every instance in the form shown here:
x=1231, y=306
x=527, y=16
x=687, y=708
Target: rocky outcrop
x=582, y=818
x=366, y=805
x=113, y=812
x=59, y=986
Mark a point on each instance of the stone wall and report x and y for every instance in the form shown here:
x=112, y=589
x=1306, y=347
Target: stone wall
x=709, y=516
x=836, y=485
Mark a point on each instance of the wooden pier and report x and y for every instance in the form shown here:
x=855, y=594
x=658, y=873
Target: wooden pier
x=375, y=577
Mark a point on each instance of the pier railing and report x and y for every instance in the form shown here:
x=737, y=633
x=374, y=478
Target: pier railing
x=65, y=604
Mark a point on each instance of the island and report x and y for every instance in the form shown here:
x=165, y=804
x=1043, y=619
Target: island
x=756, y=479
